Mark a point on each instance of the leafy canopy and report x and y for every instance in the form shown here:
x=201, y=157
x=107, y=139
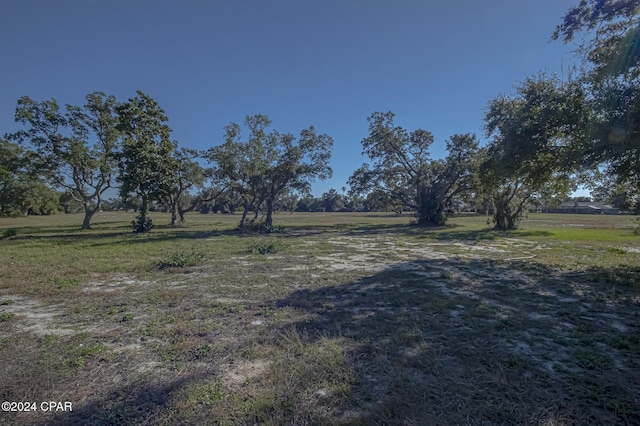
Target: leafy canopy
x=403, y=169
x=265, y=164
x=533, y=148
x=74, y=149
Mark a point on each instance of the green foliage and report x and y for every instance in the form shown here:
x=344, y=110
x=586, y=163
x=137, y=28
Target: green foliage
x=72, y=148
x=613, y=45
x=142, y=223
x=262, y=228
x=267, y=165
x=182, y=258
x=6, y=316
x=532, y=153
x=22, y=190
x=617, y=250
x=202, y=350
x=188, y=174
x=611, y=70
x=404, y=172
x=15, y=179
x=147, y=159
x=64, y=283
x=265, y=245
x=78, y=353
x=332, y=201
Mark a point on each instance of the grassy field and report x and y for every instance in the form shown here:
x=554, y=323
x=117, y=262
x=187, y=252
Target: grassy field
x=340, y=318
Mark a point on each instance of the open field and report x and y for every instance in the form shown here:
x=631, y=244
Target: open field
x=354, y=319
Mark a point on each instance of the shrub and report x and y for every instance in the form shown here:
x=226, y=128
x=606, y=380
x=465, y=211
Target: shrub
x=262, y=227
x=265, y=245
x=182, y=258
x=142, y=223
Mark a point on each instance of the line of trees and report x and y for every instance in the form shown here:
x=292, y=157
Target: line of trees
x=85, y=151
x=544, y=138
x=552, y=133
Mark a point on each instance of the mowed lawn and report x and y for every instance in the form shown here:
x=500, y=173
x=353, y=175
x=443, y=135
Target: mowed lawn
x=337, y=318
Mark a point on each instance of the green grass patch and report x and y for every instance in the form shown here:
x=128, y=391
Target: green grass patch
x=63, y=283
x=265, y=245
x=6, y=316
x=182, y=258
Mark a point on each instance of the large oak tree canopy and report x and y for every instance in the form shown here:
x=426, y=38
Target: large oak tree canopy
x=74, y=149
x=265, y=165
x=402, y=168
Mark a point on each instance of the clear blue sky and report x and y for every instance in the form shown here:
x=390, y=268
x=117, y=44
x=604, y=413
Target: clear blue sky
x=327, y=63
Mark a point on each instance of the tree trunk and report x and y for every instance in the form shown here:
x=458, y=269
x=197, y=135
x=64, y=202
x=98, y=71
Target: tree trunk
x=174, y=214
x=244, y=215
x=182, y=212
x=269, y=220
x=430, y=210
x=507, y=217
x=142, y=222
x=88, y=214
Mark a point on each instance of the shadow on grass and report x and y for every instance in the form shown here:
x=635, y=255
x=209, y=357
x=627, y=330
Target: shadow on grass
x=115, y=238
x=445, y=232
x=113, y=233
x=126, y=406
x=485, y=234
x=442, y=342
x=445, y=341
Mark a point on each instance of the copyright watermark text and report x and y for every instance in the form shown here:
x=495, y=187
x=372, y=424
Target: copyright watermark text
x=53, y=406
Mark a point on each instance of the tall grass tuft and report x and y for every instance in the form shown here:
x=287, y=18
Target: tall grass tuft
x=265, y=245
x=182, y=258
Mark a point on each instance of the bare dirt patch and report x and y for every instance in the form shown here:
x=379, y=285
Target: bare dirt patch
x=32, y=316
x=239, y=373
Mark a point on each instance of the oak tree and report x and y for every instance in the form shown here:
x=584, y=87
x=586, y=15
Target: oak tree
x=74, y=148
x=404, y=171
x=267, y=164
x=532, y=151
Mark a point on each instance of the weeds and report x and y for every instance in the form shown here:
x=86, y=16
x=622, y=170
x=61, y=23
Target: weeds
x=451, y=333
x=6, y=316
x=79, y=353
x=182, y=258
x=265, y=246
x=64, y=283
x=617, y=250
